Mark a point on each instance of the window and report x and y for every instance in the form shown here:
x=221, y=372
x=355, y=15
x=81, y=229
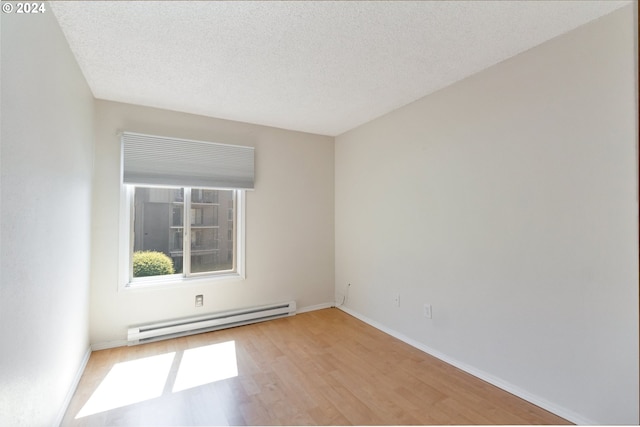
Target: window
x=158, y=226
x=182, y=209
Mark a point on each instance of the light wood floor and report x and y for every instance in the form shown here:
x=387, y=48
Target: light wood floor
x=319, y=368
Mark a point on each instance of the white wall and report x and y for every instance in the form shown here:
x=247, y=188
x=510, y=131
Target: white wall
x=508, y=202
x=47, y=154
x=290, y=222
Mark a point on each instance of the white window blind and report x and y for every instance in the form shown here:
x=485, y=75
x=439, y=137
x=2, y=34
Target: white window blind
x=157, y=160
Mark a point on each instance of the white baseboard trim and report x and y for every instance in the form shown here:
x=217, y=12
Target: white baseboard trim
x=72, y=389
x=491, y=379
x=316, y=307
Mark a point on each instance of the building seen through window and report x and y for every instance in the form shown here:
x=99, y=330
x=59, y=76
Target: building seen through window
x=166, y=218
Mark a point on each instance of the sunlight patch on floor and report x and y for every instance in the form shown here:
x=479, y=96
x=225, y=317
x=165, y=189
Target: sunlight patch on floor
x=144, y=379
x=130, y=382
x=208, y=364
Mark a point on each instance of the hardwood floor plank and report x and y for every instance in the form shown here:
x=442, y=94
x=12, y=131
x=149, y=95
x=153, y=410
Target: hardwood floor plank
x=318, y=368
x=343, y=399
x=231, y=398
x=254, y=413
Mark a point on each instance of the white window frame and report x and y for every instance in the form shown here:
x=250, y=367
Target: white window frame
x=126, y=281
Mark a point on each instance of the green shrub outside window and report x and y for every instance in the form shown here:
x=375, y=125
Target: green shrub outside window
x=151, y=263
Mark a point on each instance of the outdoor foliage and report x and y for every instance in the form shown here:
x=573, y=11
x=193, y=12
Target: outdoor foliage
x=151, y=263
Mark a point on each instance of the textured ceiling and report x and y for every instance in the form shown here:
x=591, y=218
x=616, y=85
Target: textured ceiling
x=322, y=67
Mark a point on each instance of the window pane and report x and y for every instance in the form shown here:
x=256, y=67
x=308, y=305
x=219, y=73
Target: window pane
x=158, y=227
x=206, y=228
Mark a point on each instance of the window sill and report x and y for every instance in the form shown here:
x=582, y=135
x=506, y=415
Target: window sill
x=175, y=282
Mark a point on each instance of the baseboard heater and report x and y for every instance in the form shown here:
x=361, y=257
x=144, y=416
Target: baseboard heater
x=211, y=322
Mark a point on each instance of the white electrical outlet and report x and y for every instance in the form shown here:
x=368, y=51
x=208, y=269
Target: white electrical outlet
x=199, y=300
x=427, y=311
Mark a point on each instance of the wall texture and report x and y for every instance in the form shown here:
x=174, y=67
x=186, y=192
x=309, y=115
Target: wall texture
x=47, y=158
x=289, y=229
x=508, y=202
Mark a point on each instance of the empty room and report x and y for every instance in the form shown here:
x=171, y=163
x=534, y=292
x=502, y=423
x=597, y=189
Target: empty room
x=319, y=213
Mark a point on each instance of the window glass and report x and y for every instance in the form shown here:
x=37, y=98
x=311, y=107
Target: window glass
x=206, y=229
x=160, y=231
